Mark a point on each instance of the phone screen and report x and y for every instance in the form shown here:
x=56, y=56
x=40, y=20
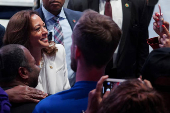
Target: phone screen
x=110, y=84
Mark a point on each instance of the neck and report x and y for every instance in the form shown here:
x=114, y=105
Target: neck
x=36, y=53
x=56, y=12
x=12, y=83
x=86, y=73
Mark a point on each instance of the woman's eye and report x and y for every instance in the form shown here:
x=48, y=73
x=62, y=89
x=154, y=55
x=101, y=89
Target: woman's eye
x=37, y=29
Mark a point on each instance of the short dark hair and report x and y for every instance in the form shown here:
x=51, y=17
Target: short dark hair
x=97, y=37
x=133, y=96
x=11, y=58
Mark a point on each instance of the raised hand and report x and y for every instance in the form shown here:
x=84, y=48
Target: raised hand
x=95, y=97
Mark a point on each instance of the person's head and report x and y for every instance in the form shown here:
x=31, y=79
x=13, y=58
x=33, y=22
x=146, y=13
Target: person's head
x=26, y=28
x=53, y=6
x=133, y=96
x=156, y=69
x=97, y=37
x=17, y=64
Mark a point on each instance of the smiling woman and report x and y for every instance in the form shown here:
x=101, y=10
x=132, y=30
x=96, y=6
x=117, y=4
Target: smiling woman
x=27, y=28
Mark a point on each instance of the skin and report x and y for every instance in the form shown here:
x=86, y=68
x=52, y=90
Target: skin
x=95, y=97
x=53, y=6
x=33, y=75
x=22, y=94
x=39, y=33
x=165, y=35
x=73, y=60
x=38, y=38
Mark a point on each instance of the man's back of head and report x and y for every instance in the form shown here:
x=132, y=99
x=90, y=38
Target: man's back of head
x=97, y=37
x=17, y=66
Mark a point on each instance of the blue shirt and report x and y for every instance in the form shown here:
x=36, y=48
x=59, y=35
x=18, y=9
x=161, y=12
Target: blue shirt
x=73, y=100
x=67, y=32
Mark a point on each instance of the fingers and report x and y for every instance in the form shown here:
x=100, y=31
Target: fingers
x=100, y=83
x=156, y=16
x=28, y=99
x=165, y=40
x=165, y=29
x=166, y=24
x=148, y=83
x=36, y=91
x=91, y=92
x=106, y=94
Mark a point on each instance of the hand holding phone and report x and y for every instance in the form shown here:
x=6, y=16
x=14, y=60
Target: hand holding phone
x=110, y=84
x=160, y=22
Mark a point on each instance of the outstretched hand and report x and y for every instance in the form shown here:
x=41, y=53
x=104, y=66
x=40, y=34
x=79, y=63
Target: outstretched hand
x=95, y=96
x=164, y=35
x=156, y=24
x=165, y=40
x=21, y=94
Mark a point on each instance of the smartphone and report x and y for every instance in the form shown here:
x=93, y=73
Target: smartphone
x=110, y=84
x=160, y=19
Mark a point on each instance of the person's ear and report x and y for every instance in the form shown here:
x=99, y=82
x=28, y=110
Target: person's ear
x=23, y=72
x=77, y=52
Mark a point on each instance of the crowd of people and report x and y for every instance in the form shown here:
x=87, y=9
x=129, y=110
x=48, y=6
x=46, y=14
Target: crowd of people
x=55, y=60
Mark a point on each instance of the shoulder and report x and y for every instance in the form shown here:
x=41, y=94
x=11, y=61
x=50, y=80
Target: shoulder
x=77, y=3
x=60, y=47
x=40, y=13
x=72, y=12
x=48, y=104
x=60, y=51
x=2, y=28
x=39, y=10
x=2, y=31
x=139, y=2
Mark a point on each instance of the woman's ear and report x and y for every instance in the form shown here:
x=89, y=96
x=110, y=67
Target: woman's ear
x=23, y=72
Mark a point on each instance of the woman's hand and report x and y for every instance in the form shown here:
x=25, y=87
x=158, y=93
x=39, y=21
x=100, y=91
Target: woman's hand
x=156, y=25
x=165, y=40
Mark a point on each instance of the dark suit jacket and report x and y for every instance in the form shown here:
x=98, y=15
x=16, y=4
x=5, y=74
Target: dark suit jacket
x=2, y=32
x=133, y=48
x=70, y=15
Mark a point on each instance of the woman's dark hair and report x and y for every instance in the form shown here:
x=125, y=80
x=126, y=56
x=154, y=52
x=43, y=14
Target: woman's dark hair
x=133, y=96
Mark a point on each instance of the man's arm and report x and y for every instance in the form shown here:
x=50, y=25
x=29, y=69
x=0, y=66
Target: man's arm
x=21, y=94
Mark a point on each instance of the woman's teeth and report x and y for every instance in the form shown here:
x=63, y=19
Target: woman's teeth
x=43, y=39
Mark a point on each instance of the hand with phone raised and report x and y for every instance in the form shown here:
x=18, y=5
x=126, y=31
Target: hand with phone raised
x=95, y=96
x=161, y=27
